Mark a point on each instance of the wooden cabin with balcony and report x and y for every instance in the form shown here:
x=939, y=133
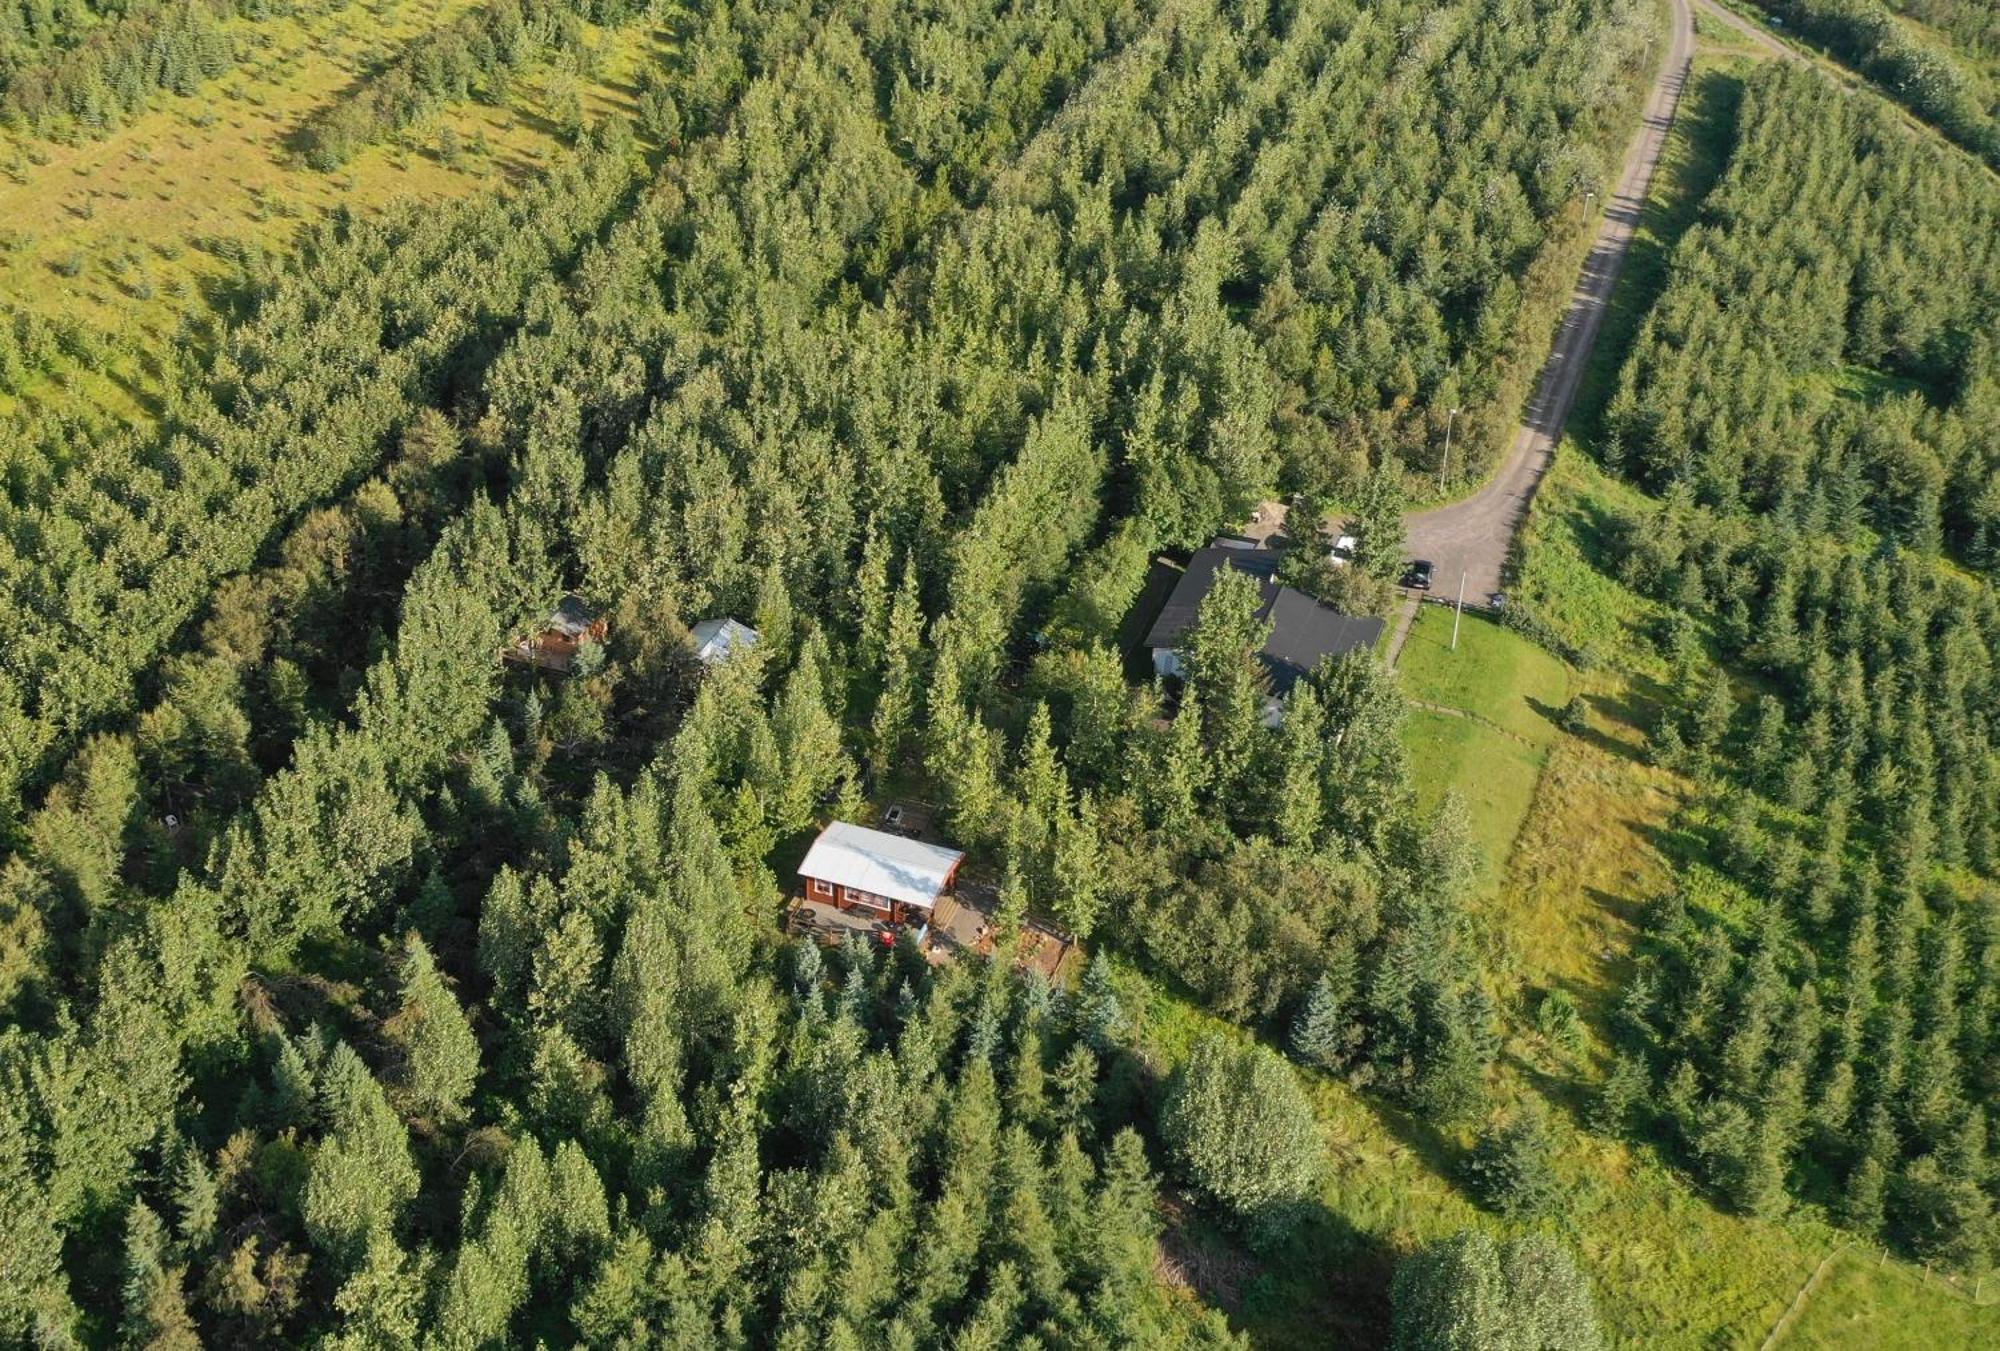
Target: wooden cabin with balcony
x=884, y=876
x=554, y=646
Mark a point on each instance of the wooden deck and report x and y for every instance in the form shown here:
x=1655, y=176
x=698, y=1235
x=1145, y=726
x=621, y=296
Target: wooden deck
x=959, y=924
x=832, y=925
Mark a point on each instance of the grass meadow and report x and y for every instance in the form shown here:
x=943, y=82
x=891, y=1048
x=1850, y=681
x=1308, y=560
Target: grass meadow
x=121, y=237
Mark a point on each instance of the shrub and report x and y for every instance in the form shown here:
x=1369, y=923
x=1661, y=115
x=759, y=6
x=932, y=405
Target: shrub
x=1241, y=1131
x=1469, y=1293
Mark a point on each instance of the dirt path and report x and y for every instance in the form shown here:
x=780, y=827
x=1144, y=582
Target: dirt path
x=1473, y=537
x=1406, y=615
x=1758, y=36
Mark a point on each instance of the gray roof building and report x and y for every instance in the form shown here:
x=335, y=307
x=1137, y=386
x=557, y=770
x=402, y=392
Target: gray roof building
x=719, y=639
x=1304, y=631
x=850, y=864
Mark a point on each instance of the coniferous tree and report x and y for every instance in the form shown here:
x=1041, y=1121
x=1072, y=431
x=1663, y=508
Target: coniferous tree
x=1624, y=1089
x=1321, y=1033
x=1226, y=678
x=155, y=1310
x=361, y=1173
x=1513, y=1166
x=440, y=1052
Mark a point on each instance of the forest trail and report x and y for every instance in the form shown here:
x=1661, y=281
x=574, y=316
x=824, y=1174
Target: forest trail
x=1473, y=537
x=1758, y=36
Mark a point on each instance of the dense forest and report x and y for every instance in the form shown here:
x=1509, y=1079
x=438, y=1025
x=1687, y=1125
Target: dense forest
x=1814, y=398
x=360, y=989
x=1973, y=25
x=1925, y=76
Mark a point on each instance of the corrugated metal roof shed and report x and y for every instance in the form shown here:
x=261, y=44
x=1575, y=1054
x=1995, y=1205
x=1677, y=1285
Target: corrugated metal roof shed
x=881, y=864
x=717, y=639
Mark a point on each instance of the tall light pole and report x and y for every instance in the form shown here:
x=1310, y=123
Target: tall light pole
x=1450, y=417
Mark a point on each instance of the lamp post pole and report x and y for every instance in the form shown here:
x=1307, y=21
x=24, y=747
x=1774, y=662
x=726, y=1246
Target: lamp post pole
x=1451, y=416
x=1459, y=613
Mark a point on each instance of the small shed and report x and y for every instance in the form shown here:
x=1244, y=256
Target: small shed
x=717, y=640
x=554, y=646
x=853, y=867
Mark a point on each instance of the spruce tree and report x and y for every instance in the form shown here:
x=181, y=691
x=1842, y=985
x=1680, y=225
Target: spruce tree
x=1100, y=1016
x=1074, y=1085
x=440, y=1052
x=1513, y=1166
x=1321, y=1033
x=361, y=1174
x=155, y=1309
x=1623, y=1090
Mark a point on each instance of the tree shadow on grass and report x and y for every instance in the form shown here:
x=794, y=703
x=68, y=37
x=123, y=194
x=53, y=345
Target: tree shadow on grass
x=1569, y=1093
x=1325, y=1284
x=1590, y=736
x=1679, y=845
x=147, y=398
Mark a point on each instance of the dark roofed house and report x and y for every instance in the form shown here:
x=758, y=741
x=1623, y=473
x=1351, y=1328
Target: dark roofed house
x=568, y=628
x=1304, y=631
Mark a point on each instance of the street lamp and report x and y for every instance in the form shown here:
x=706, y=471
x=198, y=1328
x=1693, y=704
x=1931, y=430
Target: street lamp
x=1451, y=416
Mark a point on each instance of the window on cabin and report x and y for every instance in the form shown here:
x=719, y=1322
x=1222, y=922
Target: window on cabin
x=821, y=887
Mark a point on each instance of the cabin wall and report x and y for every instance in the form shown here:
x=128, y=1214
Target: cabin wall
x=854, y=898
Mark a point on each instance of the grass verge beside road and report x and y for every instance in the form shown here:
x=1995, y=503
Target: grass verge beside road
x=1483, y=726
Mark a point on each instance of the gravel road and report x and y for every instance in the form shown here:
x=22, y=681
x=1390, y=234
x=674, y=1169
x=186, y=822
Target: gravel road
x=1472, y=538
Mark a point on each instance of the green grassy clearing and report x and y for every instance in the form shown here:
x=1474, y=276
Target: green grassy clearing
x=1713, y=32
x=1494, y=674
x=1863, y=1301
x=1866, y=385
x=1493, y=774
x=138, y=214
x=1509, y=691
x=1560, y=581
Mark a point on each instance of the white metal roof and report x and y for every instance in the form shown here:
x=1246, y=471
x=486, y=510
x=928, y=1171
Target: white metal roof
x=879, y=863
x=715, y=639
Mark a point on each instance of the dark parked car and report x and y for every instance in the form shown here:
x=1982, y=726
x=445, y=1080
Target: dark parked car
x=1419, y=575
